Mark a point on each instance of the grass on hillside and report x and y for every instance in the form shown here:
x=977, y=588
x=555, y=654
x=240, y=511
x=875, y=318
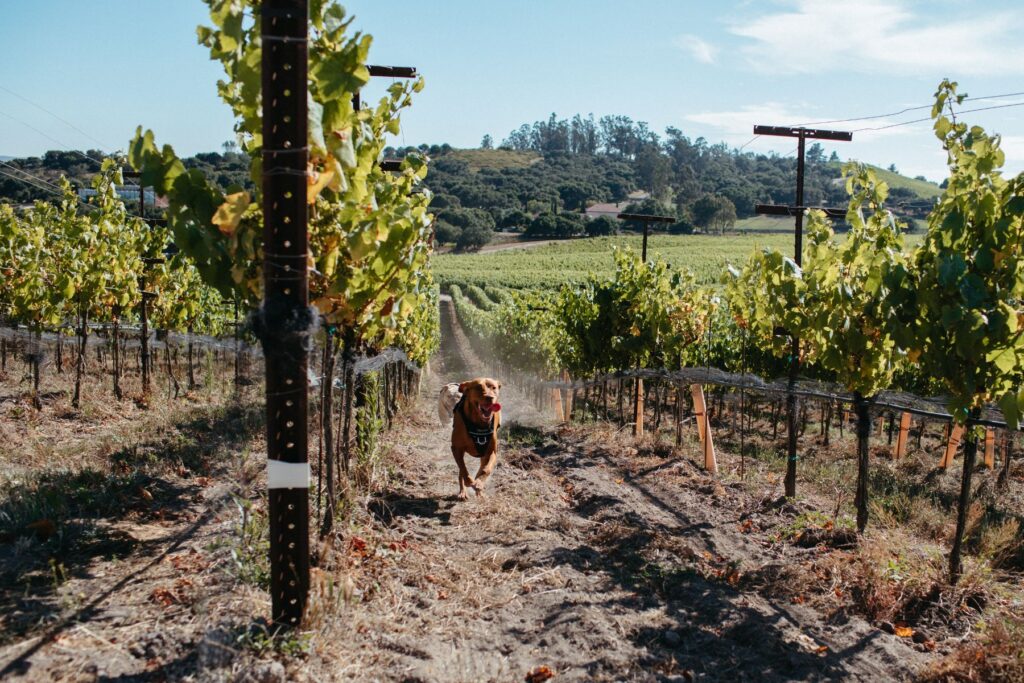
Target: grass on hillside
x=922, y=188
x=764, y=224
x=781, y=224
x=494, y=158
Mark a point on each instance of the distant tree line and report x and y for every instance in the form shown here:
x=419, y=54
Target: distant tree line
x=579, y=162
x=584, y=160
x=30, y=178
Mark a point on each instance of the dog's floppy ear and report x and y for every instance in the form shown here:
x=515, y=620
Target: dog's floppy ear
x=463, y=387
x=498, y=382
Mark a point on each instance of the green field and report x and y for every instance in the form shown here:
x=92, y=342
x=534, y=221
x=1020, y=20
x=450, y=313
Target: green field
x=550, y=265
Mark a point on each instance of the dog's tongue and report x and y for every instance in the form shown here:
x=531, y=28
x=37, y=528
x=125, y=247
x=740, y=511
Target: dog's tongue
x=495, y=407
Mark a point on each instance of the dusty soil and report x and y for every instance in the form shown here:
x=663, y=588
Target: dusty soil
x=592, y=556
x=579, y=561
x=114, y=520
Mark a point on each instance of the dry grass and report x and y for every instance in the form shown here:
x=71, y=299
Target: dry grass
x=898, y=573
x=996, y=657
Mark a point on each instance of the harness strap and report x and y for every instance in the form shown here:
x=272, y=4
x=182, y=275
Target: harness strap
x=481, y=437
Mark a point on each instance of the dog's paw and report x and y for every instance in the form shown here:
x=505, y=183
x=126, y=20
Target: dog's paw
x=463, y=495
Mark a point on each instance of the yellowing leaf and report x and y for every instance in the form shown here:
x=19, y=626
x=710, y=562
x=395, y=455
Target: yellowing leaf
x=229, y=214
x=324, y=305
x=903, y=630
x=316, y=182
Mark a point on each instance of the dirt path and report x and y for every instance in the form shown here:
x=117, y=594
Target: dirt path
x=591, y=555
x=584, y=561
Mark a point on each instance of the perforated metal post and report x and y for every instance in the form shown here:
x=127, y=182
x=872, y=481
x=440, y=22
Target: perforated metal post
x=286, y=302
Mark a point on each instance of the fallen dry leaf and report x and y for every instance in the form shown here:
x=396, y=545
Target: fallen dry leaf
x=163, y=596
x=357, y=547
x=903, y=630
x=44, y=528
x=191, y=561
x=540, y=674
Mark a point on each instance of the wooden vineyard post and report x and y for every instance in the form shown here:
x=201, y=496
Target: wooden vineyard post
x=638, y=407
x=990, y=448
x=566, y=398
x=700, y=412
x=955, y=436
x=556, y=405
x=901, y=440
x=286, y=318
x=699, y=409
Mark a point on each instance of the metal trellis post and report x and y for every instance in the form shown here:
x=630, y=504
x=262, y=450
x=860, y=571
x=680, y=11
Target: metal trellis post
x=285, y=315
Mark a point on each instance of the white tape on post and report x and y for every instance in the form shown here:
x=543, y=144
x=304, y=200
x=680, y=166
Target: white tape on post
x=287, y=475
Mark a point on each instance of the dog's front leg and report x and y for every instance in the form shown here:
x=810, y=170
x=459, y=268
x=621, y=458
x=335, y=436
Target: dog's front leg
x=464, y=478
x=487, y=465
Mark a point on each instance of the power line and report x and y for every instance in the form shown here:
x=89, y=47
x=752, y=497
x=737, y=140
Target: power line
x=928, y=118
x=904, y=111
x=33, y=177
x=45, y=185
x=66, y=146
x=59, y=118
x=28, y=182
x=740, y=149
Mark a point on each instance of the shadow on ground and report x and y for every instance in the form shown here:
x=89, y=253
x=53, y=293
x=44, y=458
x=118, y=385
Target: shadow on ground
x=54, y=526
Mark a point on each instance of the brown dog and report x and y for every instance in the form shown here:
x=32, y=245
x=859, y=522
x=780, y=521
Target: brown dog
x=475, y=423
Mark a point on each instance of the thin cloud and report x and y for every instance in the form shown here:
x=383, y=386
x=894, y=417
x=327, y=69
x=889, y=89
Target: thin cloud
x=736, y=126
x=874, y=35
x=701, y=50
x=1013, y=148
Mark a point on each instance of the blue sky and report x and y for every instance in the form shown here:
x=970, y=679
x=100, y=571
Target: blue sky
x=711, y=69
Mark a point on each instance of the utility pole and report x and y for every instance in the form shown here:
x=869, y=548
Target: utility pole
x=391, y=165
x=384, y=72
x=798, y=210
x=286, y=319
